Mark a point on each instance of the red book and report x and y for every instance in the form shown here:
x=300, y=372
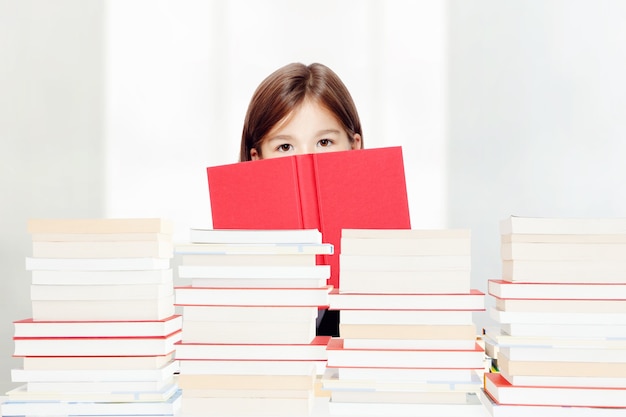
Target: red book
x=363, y=189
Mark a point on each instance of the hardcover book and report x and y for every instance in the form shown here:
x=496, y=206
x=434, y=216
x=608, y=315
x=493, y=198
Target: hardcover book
x=362, y=189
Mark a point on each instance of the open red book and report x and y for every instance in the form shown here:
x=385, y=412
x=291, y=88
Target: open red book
x=361, y=189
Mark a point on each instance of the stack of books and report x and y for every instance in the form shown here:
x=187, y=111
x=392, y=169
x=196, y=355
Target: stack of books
x=248, y=344
x=102, y=334
x=407, y=342
x=560, y=343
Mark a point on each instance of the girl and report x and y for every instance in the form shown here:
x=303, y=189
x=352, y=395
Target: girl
x=301, y=109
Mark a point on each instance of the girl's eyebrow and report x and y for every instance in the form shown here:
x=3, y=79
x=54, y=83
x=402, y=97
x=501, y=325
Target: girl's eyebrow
x=326, y=131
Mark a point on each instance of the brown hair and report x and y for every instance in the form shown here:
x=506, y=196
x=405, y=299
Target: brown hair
x=284, y=90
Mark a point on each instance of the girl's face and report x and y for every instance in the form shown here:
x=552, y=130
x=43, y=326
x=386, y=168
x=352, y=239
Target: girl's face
x=310, y=128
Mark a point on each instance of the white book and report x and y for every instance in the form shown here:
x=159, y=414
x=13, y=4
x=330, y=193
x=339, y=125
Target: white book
x=96, y=346
x=565, y=330
x=100, y=292
x=406, y=247
x=95, y=363
x=554, y=271
x=566, y=354
x=58, y=408
x=252, y=296
x=472, y=408
x=506, y=289
x=417, y=375
x=563, y=251
x=259, y=282
x=315, y=350
x=409, y=344
x=338, y=356
x=556, y=318
x=406, y=317
x=204, y=235
x=582, y=341
x=92, y=264
x=291, y=272
x=234, y=259
x=98, y=386
x=121, y=249
x=404, y=263
x=103, y=310
x=473, y=301
x=248, y=332
x=144, y=328
x=253, y=248
x=503, y=410
x=247, y=406
x=60, y=277
x=249, y=314
x=95, y=375
x=22, y=393
x=394, y=282
x=563, y=226
x=505, y=393
x=426, y=234
x=552, y=238
x=100, y=237
x=100, y=226
x=247, y=367
x=560, y=306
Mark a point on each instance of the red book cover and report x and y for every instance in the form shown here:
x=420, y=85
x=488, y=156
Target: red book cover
x=362, y=189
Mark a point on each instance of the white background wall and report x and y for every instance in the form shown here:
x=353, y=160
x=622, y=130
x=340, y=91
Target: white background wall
x=116, y=108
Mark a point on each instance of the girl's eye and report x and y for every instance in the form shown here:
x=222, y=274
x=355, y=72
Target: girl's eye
x=325, y=142
x=285, y=147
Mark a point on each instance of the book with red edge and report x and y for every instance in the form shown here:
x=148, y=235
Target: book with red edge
x=503, y=392
x=362, y=189
x=473, y=301
x=338, y=356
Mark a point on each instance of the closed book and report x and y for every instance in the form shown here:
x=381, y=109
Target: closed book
x=518, y=410
x=565, y=330
x=100, y=292
x=501, y=338
x=247, y=271
x=234, y=259
x=22, y=393
x=551, y=305
x=225, y=381
x=61, y=329
x=101, y=237
x=95, y=250
x=249, y=313
x=403, y=344
x=569, y=271
x=95, y=264
x=407, y=331
x=557, y=318
x=254, y=249
x=94, y=374
x=259, y=282
x=186, y=295
x=473, y=301
x=317, y=192
x=313, y=350
x=95, y=363
x=588, y=291
x=252, y=236
x=505, y=393
x=208, y=368
x=201, y=331
x=96, y=346
x=104, y=226
x=563, y=226
x=56, y=387
x=338, y=356
x=103, y=310
x=471, y=408
x=406, y=375
x=57, y=408
x=563, y=251
x=402, y=282
x=248, y=406
x=112, y=277
x=406, y=317
x=567, y=354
